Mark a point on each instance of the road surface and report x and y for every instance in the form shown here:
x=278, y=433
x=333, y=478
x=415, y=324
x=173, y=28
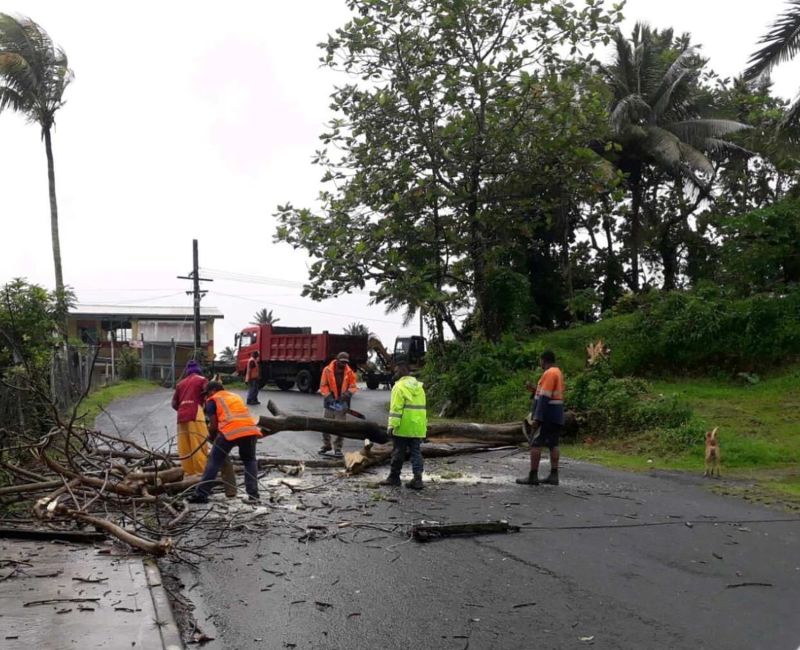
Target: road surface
x=607, y=560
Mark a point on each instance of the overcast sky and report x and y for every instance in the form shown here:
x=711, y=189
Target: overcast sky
x=194, y=120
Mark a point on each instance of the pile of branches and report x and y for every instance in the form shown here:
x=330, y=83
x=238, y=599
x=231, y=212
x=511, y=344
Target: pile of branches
x=90, y=479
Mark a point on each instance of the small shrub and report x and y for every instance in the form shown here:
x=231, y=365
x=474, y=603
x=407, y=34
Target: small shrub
x=129, y=366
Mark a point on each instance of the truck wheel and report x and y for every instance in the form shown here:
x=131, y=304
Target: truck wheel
x=304, y=381
x=373, y=381
x=284, y=384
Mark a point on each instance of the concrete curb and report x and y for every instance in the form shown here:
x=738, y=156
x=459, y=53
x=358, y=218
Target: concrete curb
x=167, y=627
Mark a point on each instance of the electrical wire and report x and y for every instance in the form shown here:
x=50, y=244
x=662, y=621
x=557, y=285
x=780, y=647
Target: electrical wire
x=219, y=274
x=314, y=311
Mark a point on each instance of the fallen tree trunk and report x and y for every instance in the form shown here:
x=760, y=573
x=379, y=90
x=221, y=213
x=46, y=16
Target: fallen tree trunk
x=451, y=432
x=353, y=429
x=503, y=434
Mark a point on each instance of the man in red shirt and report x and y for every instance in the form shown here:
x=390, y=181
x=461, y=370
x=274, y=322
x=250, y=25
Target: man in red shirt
x=547, y=414
x=188, y=400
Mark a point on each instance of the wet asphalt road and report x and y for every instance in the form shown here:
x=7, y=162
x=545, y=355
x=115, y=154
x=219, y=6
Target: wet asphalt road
x=606, y=560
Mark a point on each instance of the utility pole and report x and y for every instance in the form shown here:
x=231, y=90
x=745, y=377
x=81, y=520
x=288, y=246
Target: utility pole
x=194, y=276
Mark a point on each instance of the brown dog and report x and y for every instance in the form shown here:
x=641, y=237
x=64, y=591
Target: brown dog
x=713, y=456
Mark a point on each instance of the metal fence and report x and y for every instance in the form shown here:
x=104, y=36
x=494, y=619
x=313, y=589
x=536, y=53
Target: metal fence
x=164, y=361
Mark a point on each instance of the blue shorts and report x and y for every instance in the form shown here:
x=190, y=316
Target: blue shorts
x=547, y=435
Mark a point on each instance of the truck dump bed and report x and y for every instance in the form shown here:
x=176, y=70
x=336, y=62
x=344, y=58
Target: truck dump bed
x=310, y=348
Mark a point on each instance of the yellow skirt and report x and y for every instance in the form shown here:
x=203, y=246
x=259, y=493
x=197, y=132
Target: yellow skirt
x=193, y=445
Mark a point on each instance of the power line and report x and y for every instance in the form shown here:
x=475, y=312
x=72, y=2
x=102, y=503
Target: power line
x=260, y=279
x=134, y=300
x=314, y=311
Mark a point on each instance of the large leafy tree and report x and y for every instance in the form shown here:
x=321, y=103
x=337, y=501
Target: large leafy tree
x=658, y=118
x=264, y=317
x=34, y=73
x=436, y=141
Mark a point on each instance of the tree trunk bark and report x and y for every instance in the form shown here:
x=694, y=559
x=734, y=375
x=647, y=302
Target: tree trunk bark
x=51, y=181
x=636, y=235
x=451, y=432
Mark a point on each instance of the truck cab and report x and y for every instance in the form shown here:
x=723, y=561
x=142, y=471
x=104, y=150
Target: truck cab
x=292, y=356
x=410, y=350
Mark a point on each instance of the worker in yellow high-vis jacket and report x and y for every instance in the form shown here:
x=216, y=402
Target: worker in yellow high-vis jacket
x=408, y=425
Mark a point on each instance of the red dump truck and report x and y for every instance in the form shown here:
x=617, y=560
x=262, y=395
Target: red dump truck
x=293, y=355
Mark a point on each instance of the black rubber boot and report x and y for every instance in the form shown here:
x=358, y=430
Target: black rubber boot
x=416, y=482
x=531, y=479
x=392, y=481
x=552, y=479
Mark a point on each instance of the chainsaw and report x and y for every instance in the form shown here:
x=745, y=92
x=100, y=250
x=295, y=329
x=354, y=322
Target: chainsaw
x=341, y=406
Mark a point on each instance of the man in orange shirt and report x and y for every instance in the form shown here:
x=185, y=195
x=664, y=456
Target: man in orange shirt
x=337, y=385
x=547, y=414
x=252, y=378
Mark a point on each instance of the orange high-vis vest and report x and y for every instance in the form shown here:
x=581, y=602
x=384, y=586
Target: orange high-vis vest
x=327, y=384
x=254, y=372
x=233, y=419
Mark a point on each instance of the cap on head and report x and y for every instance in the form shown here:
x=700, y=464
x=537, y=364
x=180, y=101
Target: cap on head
x=343, y=356
x=193, y=368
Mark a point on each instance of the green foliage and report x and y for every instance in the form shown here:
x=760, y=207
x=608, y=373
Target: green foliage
x=29, y=317
x=780, y=44
x=487, y=381
x=706, y=331
x=34, y=72
x=761, y=250
x=612, y=406
x=462, y=373
x=129, y=365
x=462, y=137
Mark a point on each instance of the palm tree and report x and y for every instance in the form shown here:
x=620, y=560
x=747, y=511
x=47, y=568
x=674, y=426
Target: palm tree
x=264, y=317
x=781, y=44
x=656, y=121
x=33, y=76
x=358, y=329
x=228, y=355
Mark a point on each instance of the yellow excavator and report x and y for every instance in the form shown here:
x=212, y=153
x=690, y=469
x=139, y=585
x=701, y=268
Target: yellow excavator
x=380, y=369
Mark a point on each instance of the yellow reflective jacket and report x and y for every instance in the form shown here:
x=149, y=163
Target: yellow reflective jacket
x=407, y=413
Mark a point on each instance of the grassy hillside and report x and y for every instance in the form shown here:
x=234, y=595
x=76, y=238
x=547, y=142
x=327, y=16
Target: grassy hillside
x=680, y=365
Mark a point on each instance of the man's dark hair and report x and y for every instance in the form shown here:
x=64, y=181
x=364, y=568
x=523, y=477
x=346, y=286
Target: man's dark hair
x=214, y=386
x=255, y=354
x=548, y=356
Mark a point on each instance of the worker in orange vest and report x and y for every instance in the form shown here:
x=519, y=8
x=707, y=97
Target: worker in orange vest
x=337, y=385
x=230, y=425
x=546, y=421
x=252, y=378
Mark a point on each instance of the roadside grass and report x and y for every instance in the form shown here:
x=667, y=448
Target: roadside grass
x=93, y=405
x=759, y=430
